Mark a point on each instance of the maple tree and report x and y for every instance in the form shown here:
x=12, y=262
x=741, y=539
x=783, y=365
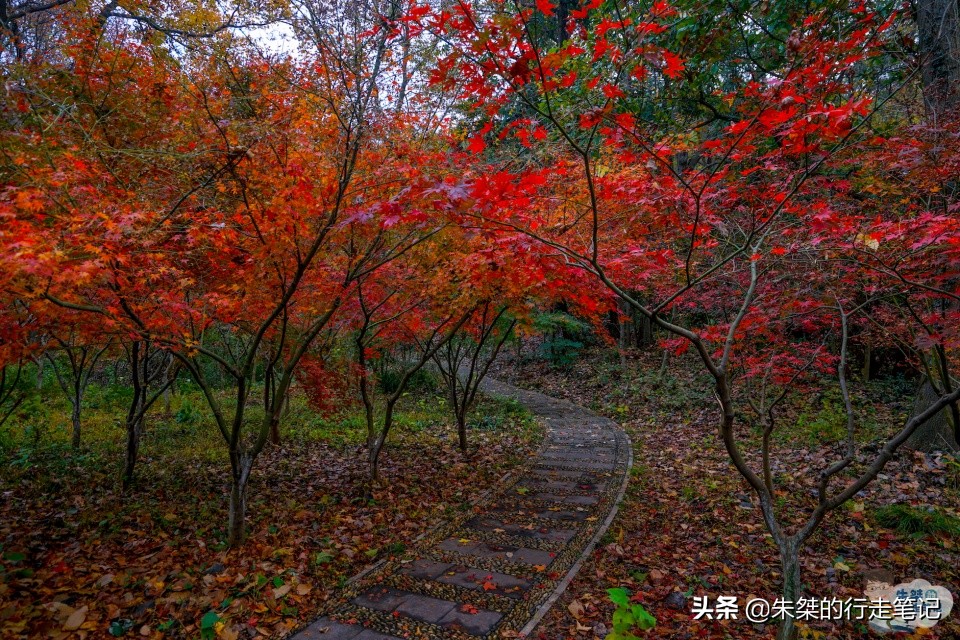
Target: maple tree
x=750, y=221
x=399, y=309
x=509, y=279
x=465, y=360
x=81, y=354
x=278, y=179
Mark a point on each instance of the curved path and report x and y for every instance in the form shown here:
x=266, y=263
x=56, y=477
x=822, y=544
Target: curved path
x=502, y=565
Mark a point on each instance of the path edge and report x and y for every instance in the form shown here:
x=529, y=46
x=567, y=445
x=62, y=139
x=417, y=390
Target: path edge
x=592, y=544
x=588, y=550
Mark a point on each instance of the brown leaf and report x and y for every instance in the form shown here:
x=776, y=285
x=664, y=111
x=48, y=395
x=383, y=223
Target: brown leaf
x=75, y=619
x=229, y=633
x=576, y=609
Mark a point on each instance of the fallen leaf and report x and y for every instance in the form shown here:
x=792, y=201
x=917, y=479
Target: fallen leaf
x=75, y=619
x=576, y=609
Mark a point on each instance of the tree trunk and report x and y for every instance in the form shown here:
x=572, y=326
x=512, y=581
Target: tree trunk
x=75, y=419
x=133, y=450
x=462, y=432
x=380, y=441
x=936, y=434
x=236, y=527
x=275, y=429
x=627, y=327
x=790, y=563
x=167, y=395
x=374, y=459
x=938, y=28
x=663, y=364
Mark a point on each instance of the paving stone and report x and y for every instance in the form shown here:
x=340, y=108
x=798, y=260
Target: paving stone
x=522, y=531
x=476, y=624
x=475, y=579
x=569, y=516
x=327, y=629
x=550, y=534
x=570, y=456
x=424, y=569
x=380, y=598
x=594, y=466
x=533, y=556
x=578, y=499
x=488, y=523
x=425, y=608
x=509, y=508
x=511, y=554
x=454, y=544
x=553, y=485
x=552, y=474
x=489, y=550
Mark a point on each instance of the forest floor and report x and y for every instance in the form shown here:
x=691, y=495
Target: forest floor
x=690, y=526
x=81, y=559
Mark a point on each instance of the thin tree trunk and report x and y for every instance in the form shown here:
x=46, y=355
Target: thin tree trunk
x=241, y=466
x=790, y=563
x=938, y=28
x=275, y=430
x=374, y=458
x=75, y=419
x=382, y=438
x=663, y=364
x=462, y=432
x=132, y=451
x=170, y=373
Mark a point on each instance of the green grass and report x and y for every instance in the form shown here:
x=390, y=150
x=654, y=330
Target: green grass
x=909, y=520
x=37, y=438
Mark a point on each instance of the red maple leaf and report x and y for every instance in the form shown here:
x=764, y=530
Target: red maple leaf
x=477, y=145
x=546, y=7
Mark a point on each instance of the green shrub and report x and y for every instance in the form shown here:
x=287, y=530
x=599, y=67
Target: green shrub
x=187, y=413
x=563, y=337
x=422, y=380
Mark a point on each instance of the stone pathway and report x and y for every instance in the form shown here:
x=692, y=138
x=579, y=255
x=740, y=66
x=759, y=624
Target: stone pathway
x=499, y=567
